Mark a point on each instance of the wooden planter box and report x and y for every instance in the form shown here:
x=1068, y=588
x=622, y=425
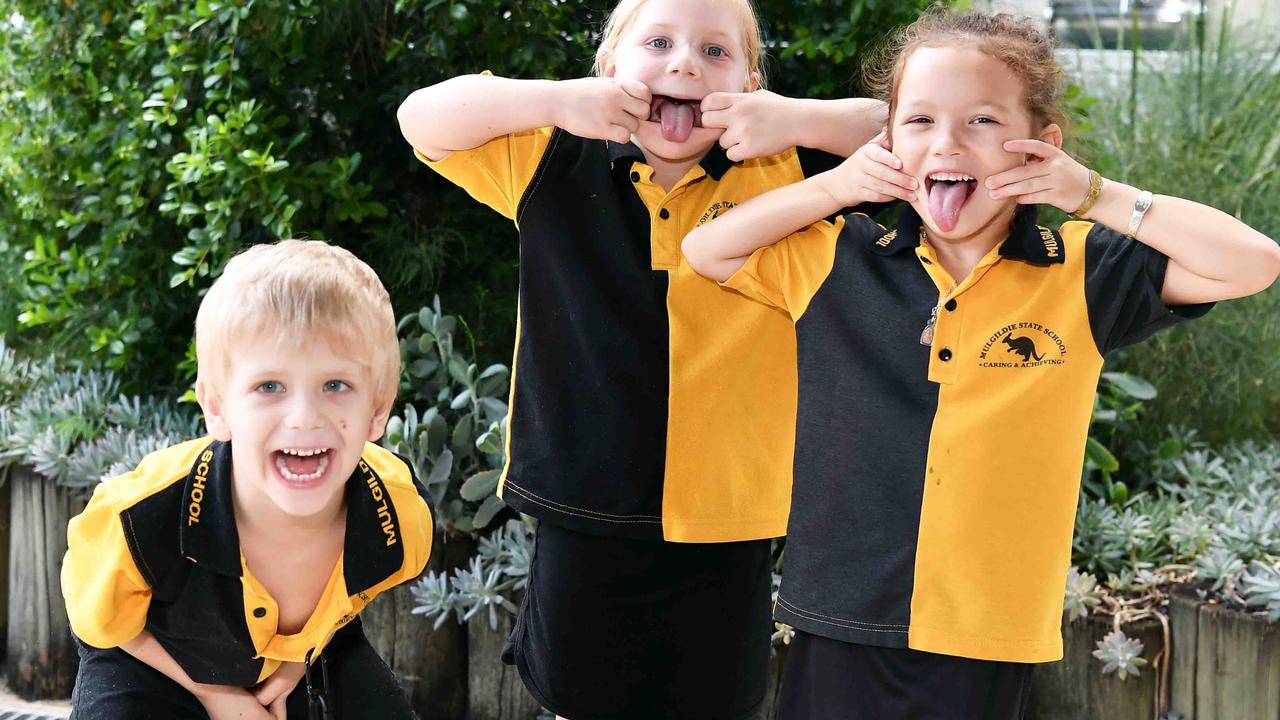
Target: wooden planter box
x=41, y=656
x=1228, y=661
x=769, y=708
x=496, y=691
x=1075, y=687
x=430, y=664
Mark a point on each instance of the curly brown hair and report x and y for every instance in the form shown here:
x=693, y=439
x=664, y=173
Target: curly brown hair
x=1013, y=40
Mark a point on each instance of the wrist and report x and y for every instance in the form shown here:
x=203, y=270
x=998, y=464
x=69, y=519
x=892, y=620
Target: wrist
x=550, y=99
x=802, y=117
x=834, y=190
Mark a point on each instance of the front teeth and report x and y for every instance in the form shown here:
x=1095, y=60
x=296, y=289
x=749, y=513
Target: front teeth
x=294, y=477
x=951, y=177
x=302, y=453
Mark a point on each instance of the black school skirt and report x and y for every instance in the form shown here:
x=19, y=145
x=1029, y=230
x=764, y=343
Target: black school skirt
x=828, y=679
x=622, y=629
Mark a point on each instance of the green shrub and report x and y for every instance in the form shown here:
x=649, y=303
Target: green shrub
x=144, y=142
x=1201, y=124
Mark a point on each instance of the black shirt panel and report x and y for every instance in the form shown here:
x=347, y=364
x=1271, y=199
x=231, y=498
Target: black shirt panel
x=860, y=405
x=592, y=359
x=1123, y=283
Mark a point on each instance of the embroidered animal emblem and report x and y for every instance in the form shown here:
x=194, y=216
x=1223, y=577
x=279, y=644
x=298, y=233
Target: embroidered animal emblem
x=1023, y=346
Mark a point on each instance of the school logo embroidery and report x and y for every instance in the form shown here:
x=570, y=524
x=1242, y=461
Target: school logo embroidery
x=1023, y=345
x=884, y=241
x=1050, y=242
x=715, y=211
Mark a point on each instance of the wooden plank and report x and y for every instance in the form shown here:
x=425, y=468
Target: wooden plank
x=1075, y=687
x=495, y=690
x=42, y=659
x=4, y=565
x=769, y=708
x=1184, y=614
x=1238, y=665
x=430, y=664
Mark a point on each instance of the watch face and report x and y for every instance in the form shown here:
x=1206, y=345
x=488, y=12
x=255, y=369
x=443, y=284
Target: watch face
x=1144, y=202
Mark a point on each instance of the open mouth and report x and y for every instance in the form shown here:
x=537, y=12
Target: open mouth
x=678, y=116
x=948, y=192
x=301, y=467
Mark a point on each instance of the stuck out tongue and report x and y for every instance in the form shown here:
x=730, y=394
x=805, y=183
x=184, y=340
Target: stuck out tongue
x=677, y=121
x=302, y=465
x=945, y=201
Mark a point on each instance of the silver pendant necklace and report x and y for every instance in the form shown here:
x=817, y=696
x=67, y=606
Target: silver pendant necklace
x=926, y=335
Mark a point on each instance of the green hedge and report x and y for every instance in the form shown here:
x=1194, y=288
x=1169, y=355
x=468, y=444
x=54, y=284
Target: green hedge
x=141, y=143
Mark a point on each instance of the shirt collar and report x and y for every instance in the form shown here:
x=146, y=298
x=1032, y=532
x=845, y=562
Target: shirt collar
x=1027, y=240
x=715, y=163
x=373, y=549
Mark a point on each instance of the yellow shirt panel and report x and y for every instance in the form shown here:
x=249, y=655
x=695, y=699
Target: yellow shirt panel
x=984, y=493
x=106, y=595
x=789, y=273
x=498, y=172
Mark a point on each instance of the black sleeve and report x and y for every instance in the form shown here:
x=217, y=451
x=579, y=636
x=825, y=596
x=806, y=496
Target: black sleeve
x=1123, y=280
x=814, y=162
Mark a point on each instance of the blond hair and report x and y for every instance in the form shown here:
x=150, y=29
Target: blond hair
x=624, y=13
x=298, y=289
x=1013, y=40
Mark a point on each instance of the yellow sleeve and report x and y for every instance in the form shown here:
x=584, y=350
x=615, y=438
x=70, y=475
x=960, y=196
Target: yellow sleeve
x=415, y=518
x=412, y=511
x=107, y=597
x=497, y=172
x=788, y=273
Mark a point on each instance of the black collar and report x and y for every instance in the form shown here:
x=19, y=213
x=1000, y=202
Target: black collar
x=372, y=551
x=1027, y=241
x=715, y=163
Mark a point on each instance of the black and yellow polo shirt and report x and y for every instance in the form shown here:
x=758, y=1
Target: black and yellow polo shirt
x=157, y=549
x=936, y=487
x=646, y=401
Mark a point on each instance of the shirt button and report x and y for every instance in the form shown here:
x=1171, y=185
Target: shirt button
x=260, y=612
x=944, y=354
x=635, y=177
x=950, y=306
x=664, y=213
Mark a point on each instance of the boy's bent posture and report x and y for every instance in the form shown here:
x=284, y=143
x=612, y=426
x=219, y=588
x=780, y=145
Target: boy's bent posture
x=207, y=582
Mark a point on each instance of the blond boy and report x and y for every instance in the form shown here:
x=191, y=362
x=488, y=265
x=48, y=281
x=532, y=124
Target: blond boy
x=222, y=577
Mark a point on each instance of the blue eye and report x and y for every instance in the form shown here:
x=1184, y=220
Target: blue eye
x=716, y=51
x=270, y=387
x=660, y=43
x=336, y=386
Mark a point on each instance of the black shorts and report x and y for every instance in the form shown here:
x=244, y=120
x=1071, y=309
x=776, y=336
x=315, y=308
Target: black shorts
x=621, y=629
x=828, y=679
x=113, y=685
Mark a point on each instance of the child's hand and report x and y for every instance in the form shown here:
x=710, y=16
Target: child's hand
x=231, y=703
x=872, y=174
x=1050, y=177
x=756, y=124
x=274, y=691
x=601, y=108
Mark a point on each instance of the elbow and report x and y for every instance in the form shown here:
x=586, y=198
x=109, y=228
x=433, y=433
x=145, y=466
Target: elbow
x=1273, y=265
x=695, y=255
x=405, y=113
x=1263, y=273
x=414, y=131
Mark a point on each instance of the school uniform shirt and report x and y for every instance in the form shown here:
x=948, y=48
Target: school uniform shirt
x=156, y=549
x=936, y=487
x=646, y=401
